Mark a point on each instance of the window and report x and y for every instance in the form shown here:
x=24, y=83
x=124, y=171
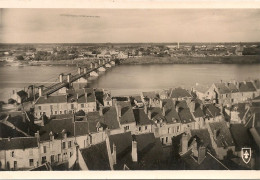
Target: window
x=12, y=154
x=15, y=164
x=31, y=162
x=44, y=149
x=55, y=112
x=82, y=105
x=166, y=139
x=52, y=158
x=140, y=128
x=59, y=157
x=43, y=159
x=39, y=107
x=178, y=128
x=107, y=102
x=63, y=145
x=69, y=144
x=145, y=127
x=70, y=154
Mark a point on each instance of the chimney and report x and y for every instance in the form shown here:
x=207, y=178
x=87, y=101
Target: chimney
x=201, y=154
x=145, y=109
x=64, y=134
x=114, y=153
x=149, y=114
x=118, y=110
x=177, y=109
x=85, y=70
x=79, y=70
x=164, y=111
x=37, y=135
x=51, y=136
x=68, y=77
x=91, y=65
x=77, y=96
x=161, y=104
x=99, y=62
x=40, y=90
x=61, y=77
x=134, y=151
x=101, y=111
x=184, y=143
x=192, y=106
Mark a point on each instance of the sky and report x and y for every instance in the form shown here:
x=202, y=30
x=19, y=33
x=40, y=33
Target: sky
x=128, y=25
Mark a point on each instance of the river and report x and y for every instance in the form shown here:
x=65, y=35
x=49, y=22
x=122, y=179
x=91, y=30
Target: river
x=130, y=79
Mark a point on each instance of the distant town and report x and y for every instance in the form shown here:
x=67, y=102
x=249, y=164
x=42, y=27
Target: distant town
x=138, y=53
x=69, y=126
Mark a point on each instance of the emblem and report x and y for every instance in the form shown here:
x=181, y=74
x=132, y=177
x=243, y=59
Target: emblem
x=246, y=154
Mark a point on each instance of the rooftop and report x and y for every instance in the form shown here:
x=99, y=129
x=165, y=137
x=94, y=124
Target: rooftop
x=141, y=118
x=222, y=88
x=179, y=93
x=110, y=117
x=18, y=143
x=127, y=115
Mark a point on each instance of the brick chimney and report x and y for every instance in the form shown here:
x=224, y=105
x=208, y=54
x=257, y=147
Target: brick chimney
x=61, y=77
x=79, y=70
x=134, y=151
x=201, y=154
x=114, y=154
x=68, y=77
x=184, y=143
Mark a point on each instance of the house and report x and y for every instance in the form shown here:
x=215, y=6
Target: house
x=219, y=93
x=71, y=102
x=151, y=99
x=111, y=120
x=198, y=114
x=107, y=100
x=247, y=90
x=19, y=153
x=200, y=91
x=138, y=101
x=212, y=113
x=179, y=94
x=143, y=123
x=236, y=113
x=221, y=139
x=125, y=115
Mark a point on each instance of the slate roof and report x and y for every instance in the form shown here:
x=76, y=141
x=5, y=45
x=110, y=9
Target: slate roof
x=198, y=111
x=6, y=131
x=203, y=137
x=18, y=143
x=171, y=114
x=123, y=143
x=148, y=148
x=224, y=137
x=57, y=126
x=96, y=157
x=81, y=128
x=141, y=118
x=241, y=136
x=90, y=95
x=246, y=87
x=52, y=99
x=222, y=88
x=150, y=95
x=110, y=117
x=179, y=93
x=127, y=115
x=211, y=110
x=232, y=87
x=184, y=112
x=156, y=113
x=72, y=96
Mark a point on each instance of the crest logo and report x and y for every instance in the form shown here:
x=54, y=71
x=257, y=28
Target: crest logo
x=246, y=154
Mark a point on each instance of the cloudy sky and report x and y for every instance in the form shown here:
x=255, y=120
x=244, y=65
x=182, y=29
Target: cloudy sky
x=122, y=25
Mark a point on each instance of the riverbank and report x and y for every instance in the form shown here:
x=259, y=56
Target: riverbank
x=193, y=60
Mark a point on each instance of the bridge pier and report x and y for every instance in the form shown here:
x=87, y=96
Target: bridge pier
x=61, y=77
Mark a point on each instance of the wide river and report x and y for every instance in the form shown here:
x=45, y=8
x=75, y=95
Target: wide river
x=130, y=79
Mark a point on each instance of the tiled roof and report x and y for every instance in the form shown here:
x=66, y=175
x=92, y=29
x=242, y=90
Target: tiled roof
x=81, y=128
x=184, y=112
x=6, y=131
x=57, y=126
x=156, y=113
x=222, y=88
x=52, y=99
x=141, y=118
x=18, y=143
x=72, y=96
x=246, y=87
x=179, y=93
x=224, y=137
x=110, y=117
x=171, y=114
x=127, y=115
x=241, y=136
x=96, y=157
x=198, y=111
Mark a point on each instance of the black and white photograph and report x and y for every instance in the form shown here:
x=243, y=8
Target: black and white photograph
x=129, y=89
